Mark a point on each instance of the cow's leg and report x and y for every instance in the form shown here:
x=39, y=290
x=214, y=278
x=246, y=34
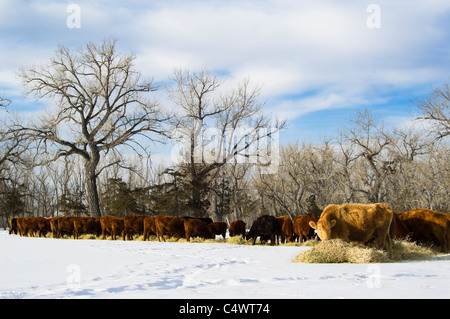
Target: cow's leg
x=388, y=245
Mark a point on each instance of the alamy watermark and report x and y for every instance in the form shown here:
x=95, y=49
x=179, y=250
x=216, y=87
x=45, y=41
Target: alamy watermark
x=73, y=21
x=74, y=279
x=373, y=276
x=374, y=19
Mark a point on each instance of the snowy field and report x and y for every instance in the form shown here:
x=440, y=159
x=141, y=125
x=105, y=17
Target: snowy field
x=55, y=268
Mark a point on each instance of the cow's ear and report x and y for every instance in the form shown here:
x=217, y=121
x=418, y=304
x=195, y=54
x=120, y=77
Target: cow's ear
x=332, y=223
x=313, y=224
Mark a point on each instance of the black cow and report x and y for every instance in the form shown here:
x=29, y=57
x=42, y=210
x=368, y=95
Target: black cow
x=265, y=227
x=13, y=228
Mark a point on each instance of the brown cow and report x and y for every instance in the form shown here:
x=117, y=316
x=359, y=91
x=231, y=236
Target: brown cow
x=356, y=222
x=284, y=230
x=170, y=226
x=218, y=228
x=113, y=225
x=61, y=226
x=398, y=229
x=301, y=227
x=86, y=225
x=22, y=226
x=77, y=226
x=105, y=223
x=149, y=227
x=133, y=224
x=19, y=221
x=196, y=227
x=93, y=226
x=428, y=226
x=54, y=226
x=237, y=227
x=27, y=226
x=43, y=226
x=65, y=226
x=117, y=227
x=30, y=226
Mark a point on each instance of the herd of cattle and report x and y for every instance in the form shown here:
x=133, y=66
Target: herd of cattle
x=364, y=223
x=268, y=227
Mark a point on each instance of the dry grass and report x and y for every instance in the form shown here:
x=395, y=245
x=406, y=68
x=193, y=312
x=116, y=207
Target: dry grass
x=339, y=251
x=239, y=240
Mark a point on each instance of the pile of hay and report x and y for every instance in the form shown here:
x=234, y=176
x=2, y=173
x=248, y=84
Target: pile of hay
x=339, y=251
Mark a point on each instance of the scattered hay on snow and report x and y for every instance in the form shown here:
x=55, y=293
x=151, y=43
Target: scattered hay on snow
x=339, y=251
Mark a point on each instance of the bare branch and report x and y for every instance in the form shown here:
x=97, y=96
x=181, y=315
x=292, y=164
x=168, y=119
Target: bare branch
x=436, y=110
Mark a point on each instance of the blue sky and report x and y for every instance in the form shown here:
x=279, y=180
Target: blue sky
x=317, y=61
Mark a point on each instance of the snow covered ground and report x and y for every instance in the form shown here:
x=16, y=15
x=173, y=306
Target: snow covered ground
x=56, y=268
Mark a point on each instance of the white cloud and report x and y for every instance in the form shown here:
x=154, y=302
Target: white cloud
x=290, y=47
x=289, y=109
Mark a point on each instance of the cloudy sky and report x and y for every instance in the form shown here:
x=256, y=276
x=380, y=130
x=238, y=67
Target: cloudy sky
x=317, y=61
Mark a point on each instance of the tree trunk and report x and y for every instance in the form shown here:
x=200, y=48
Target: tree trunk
x=92, y=198
x=197, y=209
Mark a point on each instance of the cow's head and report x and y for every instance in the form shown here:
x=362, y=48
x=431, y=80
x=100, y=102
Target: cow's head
x=323, y=228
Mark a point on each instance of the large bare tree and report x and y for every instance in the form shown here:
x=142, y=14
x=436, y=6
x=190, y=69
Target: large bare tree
x=217, y=127
x=101, y=105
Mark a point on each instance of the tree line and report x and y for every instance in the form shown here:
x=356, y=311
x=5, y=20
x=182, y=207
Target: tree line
x=89, y=153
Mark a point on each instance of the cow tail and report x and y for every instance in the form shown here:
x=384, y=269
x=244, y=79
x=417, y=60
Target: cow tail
x=56, y=228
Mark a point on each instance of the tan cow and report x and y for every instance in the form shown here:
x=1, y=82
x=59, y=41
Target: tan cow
x=356, y=222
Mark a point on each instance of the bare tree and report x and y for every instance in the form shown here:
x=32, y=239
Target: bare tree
x=216, y=128
x=373, y=144
x=436, y=109
x=13, y=146
x=100, y=106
